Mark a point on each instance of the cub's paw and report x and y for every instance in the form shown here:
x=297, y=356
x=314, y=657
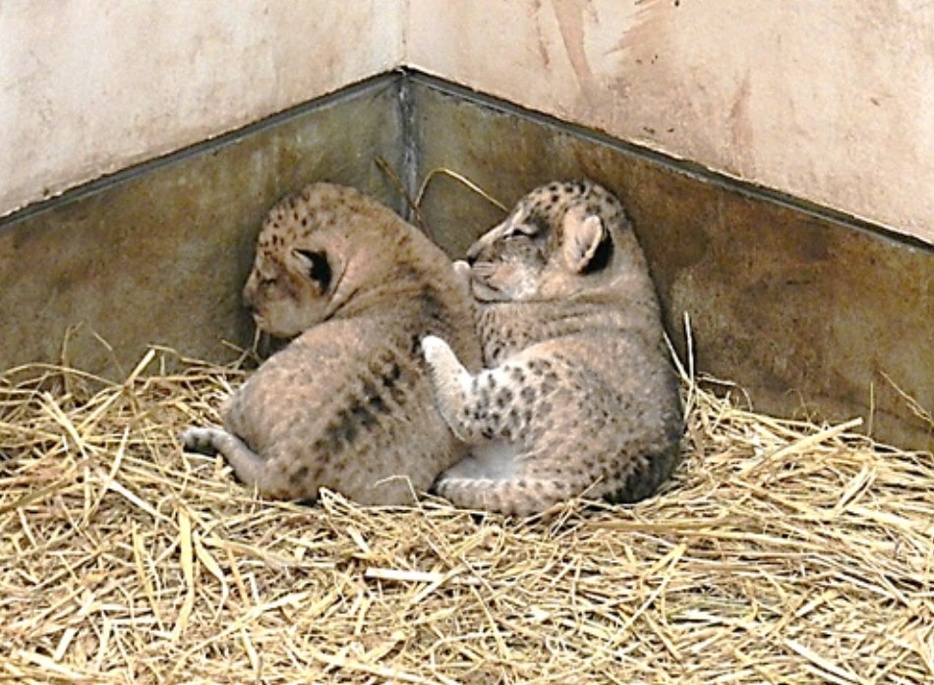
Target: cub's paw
x=462, y=273
x=461, y=268
x=437, y=352
x=200, y=440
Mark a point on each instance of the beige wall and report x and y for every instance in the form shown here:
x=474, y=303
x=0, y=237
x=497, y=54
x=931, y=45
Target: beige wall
x=88, y=88
x=828, y=100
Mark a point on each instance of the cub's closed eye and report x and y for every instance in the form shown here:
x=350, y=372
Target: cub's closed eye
x=318, y=268
x=531, y=228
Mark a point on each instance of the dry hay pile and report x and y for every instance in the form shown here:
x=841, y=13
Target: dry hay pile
x=782, y=552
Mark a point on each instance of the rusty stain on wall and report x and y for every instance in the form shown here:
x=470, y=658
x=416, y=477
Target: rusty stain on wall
x=742, y=138
x=571, y=15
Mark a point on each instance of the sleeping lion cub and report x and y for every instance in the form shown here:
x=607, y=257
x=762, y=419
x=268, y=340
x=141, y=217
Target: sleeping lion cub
x=579, y=395
x=347, y=404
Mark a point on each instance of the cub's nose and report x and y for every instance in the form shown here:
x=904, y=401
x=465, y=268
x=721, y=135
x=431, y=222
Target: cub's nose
x=246, y=298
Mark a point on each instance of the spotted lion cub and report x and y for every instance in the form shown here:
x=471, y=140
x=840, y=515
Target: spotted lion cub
x=580, y=395
x=347, y=404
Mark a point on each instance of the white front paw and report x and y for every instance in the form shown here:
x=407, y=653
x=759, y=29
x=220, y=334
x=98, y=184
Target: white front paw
x=435, y=349
x=462, y=275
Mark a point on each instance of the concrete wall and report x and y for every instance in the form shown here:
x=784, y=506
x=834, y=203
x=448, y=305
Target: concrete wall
x=828, y=100
x=91, y=88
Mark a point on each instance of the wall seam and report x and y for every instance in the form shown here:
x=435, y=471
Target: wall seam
x=408, y=133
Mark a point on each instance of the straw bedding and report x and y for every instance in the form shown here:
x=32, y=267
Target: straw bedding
x=781, y=552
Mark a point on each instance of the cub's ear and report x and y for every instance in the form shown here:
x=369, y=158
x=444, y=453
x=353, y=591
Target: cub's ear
x=583, y=236
x=315, y=265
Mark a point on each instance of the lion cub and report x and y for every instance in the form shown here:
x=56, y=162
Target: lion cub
x=581, y=396
x=347, y=404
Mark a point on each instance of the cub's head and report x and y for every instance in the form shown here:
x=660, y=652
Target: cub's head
x=558, y=241
x=303, y=253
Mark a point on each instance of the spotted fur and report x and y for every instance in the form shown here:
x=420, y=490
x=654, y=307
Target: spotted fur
x=578, y=396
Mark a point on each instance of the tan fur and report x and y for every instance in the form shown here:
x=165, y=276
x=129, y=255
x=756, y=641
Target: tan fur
x=579, y=395
x=347, y=404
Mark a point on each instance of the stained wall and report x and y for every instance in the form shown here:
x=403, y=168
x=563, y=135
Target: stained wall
x=807, y=307
x=831, y=101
